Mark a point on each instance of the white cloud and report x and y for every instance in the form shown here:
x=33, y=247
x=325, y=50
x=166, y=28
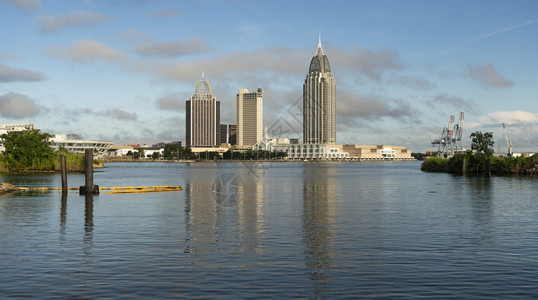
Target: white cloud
x=26, y=5
x=120, y=114
x=171, y=102
x=134, y=36
x=444, y=99
x=51, y=24
x=9, y=74
x=507, y=29
x=85, y=51
x=510, y=118
x=173, y=49
x=487, y=76
x=18, y=106
x=373, y=64
x=165, y=13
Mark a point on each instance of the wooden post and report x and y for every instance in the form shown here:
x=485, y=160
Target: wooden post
x=64, y=173
x=89, y=188
x=463, y=166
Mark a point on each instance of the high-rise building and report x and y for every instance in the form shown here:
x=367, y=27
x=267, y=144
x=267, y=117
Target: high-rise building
x=232, y=134
x=202, y=117
x=224, y=137
x=249, y=117
x=319, y=101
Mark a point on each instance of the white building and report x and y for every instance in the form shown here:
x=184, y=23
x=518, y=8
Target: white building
x=5, y=128
x=303, y=151
x=249, y=117
x=75, y=143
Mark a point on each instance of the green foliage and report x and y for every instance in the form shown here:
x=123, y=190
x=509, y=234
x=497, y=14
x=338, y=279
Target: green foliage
x=74, y=161
x=419, y=156
x=253, y=155
x=482, y=142
x=434, y=164
x=475, y=163
x=28, y=149
x=175, y=151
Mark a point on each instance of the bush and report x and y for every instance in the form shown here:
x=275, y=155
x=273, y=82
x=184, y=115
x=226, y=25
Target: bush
x=434, y=164
x=475, y=163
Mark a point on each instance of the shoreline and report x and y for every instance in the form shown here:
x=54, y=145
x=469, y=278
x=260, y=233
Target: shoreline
x=259, y=160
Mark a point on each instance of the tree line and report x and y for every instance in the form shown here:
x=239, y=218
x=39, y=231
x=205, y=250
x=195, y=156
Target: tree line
x=30, y=150
x=481, y=160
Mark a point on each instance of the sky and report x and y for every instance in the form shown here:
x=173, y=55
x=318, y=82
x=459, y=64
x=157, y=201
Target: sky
x=121, y=70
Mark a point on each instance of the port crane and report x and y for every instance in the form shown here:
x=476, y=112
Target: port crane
x=451, y=139
x=508, y=142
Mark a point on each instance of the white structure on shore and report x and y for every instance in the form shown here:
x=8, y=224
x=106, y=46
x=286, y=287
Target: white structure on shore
x=75, y=143
x=334, y=152
x=302, y=151
x=5, y=128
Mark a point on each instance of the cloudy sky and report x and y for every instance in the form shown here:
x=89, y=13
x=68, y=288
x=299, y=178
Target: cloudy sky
x=121, y=70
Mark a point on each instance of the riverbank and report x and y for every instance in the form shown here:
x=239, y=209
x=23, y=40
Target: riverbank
x=476, y=163
x=7, y=188
x=252, y=160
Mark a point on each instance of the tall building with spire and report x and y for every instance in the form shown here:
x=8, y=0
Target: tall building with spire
x=319, y=101
x=202, y=117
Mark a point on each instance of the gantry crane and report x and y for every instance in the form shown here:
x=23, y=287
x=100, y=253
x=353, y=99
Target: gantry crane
x=451, y=139
x=508, y=142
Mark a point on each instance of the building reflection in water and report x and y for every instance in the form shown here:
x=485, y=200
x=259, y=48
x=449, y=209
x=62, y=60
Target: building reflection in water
x=251, y=218
x=319, y=202
x=223, y=209
x=201, y=215
x=87, y=243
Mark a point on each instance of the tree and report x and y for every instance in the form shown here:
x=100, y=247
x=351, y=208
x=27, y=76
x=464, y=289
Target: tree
x=28, y=149
x=483, y=143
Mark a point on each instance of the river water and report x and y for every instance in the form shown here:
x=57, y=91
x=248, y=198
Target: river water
x=272, y=230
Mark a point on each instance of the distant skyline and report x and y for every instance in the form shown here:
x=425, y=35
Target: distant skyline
x=122, y=70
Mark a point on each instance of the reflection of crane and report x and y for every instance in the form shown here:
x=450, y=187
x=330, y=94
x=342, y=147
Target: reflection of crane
x=508, y=142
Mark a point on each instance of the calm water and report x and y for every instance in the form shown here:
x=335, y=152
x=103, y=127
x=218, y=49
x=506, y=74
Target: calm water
x=272, y=230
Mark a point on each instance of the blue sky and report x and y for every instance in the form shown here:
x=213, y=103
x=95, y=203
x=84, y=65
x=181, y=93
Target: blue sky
x=122, y=70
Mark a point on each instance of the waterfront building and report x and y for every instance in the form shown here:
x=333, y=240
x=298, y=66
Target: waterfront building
x=319, y=101
x=331, y=152
x=5, y=128
x=377, y=152
x=249, y=117
x=302, y=151
x=202, y=117
x=77, y=144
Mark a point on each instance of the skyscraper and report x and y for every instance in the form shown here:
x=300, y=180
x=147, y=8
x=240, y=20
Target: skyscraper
x=249, y=117
x=319, y=101
x=202, y=117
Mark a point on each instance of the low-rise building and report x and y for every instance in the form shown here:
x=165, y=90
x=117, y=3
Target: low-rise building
x=75, y=143
x=302, y=151
x=5, y=128
x=377, y=152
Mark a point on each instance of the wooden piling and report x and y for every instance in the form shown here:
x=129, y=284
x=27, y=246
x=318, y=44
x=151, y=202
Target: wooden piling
x=64, y=173
x=89, y=187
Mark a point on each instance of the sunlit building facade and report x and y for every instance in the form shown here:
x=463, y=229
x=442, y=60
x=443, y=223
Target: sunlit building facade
x=249, y=117
x=202, y=117
x=319, y=102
